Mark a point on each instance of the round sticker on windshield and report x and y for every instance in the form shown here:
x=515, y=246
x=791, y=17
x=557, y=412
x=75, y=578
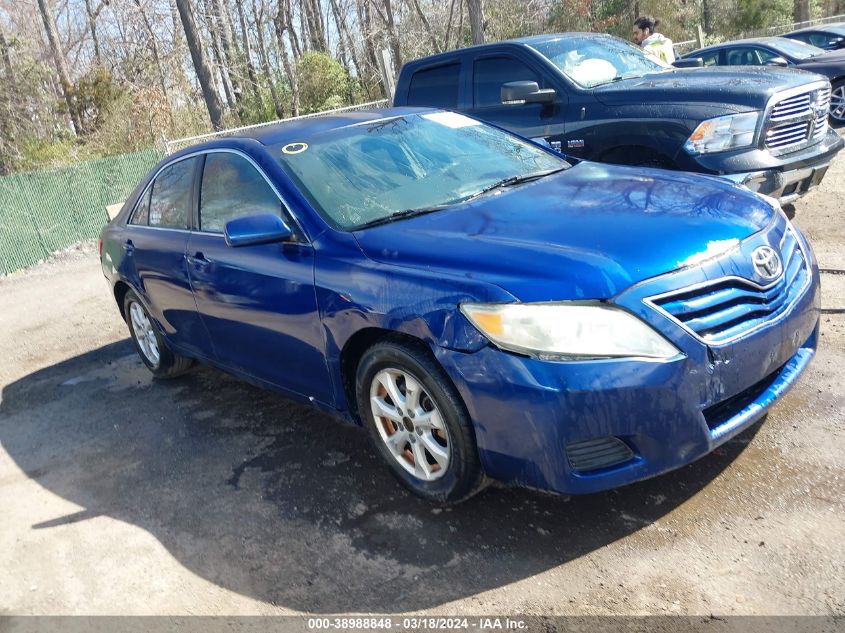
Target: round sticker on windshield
x=294, y=148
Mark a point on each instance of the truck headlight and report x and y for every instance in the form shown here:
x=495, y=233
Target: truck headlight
x=723, y=133
x=564, y=331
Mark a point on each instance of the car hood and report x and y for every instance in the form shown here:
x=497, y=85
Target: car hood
x=832, y=59
x=749, y=88
x=586, y=233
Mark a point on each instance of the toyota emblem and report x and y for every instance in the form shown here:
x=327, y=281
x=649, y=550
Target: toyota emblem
x=766, y=262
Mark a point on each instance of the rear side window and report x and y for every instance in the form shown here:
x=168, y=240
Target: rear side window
x=232, y=188
x=491, y=73
x=170, y=203
x=437, y=87
x=141, y=215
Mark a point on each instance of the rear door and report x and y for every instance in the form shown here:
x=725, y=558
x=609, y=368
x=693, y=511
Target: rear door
x=154, y=243
x=257, y=302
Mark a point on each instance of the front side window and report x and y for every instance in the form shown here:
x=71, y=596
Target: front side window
x=232, y=188
x=796, y=50
x=710, y=59
x=170, y=202
x=591, y=61
x=490, y=73
x=742, y=57
x=435, y=87
x=371, y=171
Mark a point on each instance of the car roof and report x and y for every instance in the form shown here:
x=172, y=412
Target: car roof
x=303, y=128
x=770, y=40
x=519, y=41
x=821, y=27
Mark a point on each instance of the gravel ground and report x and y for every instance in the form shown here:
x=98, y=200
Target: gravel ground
x=121, y=495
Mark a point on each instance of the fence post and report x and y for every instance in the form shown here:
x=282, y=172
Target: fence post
x=386, y=68
x=699, y=35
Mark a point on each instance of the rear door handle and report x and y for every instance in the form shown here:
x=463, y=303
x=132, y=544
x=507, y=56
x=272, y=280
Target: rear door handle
x=128, y=246
x=199, y=260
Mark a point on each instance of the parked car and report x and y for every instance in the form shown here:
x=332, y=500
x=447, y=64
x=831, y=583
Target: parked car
x=483, y=307
x=598, y=97
x=781, y=51
x=830, y=37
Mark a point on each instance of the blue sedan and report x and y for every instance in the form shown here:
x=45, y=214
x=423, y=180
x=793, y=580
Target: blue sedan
x=485, y=308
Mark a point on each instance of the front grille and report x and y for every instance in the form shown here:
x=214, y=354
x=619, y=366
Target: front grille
x=792, y=107
x=797, y=121
x=596, y=454
x=725, y=309
x=723, y=411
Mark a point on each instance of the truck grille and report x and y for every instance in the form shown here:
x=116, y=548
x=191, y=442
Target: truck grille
x=797, y=121
x=731, y=307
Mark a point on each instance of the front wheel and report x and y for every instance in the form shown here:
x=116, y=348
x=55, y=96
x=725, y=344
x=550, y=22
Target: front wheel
x=837, y=103
x=418, y=422
x=150, y=345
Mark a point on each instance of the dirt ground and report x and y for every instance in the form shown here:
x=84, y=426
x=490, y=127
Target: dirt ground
x=121, y=495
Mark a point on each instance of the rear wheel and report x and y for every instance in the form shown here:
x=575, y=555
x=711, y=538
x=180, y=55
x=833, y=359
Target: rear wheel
x=418, y=422
x=150, y=345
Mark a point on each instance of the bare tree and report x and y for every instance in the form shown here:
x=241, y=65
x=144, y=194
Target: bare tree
x=247, y=53
x=58, y=54
x=264, y=59
x=215, y=112
x=476, y=20
x=801, y=10
x=290, y=71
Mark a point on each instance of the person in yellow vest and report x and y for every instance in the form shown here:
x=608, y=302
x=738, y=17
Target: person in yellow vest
x=655, y=44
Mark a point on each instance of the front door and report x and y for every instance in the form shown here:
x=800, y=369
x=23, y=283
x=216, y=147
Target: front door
x=257, y=302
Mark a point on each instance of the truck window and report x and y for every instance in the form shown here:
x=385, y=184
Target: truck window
x=490, y=73
x=437, y=87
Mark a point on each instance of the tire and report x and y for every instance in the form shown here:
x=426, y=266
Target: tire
x=436, y=460
x=149, y=344
x=837, y=104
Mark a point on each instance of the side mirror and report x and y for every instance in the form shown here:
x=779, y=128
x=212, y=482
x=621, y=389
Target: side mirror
x=522, y=92
x=837, y=44
x=691, y=62
x=777, y=61
x=265, y=228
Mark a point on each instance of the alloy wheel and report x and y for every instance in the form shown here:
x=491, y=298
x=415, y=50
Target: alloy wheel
x=837, y=103
x=410, y=424
x=142, y=329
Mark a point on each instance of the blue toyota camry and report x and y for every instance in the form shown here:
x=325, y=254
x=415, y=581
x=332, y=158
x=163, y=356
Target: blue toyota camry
x=486, y=309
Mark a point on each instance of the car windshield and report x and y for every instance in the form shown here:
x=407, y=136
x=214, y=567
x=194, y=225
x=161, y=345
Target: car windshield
x=391, y=168
x=591, y=61
x=795, y=49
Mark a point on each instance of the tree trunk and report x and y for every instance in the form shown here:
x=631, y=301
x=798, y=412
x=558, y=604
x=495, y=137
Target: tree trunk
x=366, y=27
x=449, y=25
x=392, y=37
x=250, y=67
x=265, y=61
x=59, y=58
x=476, y=20
x=92, y=26
x=212, y=102
x=290, y=71
x=156, y=58
x=217, y=55
x=225, y=41
x=801, y=11
x=707, y=16
x=295, y=46
x=345, y=35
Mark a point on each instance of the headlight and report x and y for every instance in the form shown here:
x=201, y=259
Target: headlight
x=723, y=133
x=560, y=331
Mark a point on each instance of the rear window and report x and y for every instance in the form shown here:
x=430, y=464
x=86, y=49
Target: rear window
x=170, y=203
x=437, y=87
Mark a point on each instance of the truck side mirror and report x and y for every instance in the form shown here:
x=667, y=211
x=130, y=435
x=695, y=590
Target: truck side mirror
x=692, y=62
x=522, y=92
x=777, y=61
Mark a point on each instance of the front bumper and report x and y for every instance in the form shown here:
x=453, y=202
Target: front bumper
x=529, y=413
x=784, y=178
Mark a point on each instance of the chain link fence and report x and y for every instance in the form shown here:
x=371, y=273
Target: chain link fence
x=46, y=211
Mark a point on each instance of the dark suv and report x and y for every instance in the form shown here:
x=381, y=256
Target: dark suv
x=600, y=98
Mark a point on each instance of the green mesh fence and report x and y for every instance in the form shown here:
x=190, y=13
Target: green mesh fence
x=45, y=211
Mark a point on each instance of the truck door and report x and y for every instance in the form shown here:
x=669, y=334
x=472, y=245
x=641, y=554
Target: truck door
x=532, y=120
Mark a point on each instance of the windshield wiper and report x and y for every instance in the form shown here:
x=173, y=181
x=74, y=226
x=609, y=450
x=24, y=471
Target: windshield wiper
x=401, y=215
x=510, y=181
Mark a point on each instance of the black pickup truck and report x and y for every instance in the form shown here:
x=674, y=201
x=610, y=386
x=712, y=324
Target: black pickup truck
x=600, y=98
